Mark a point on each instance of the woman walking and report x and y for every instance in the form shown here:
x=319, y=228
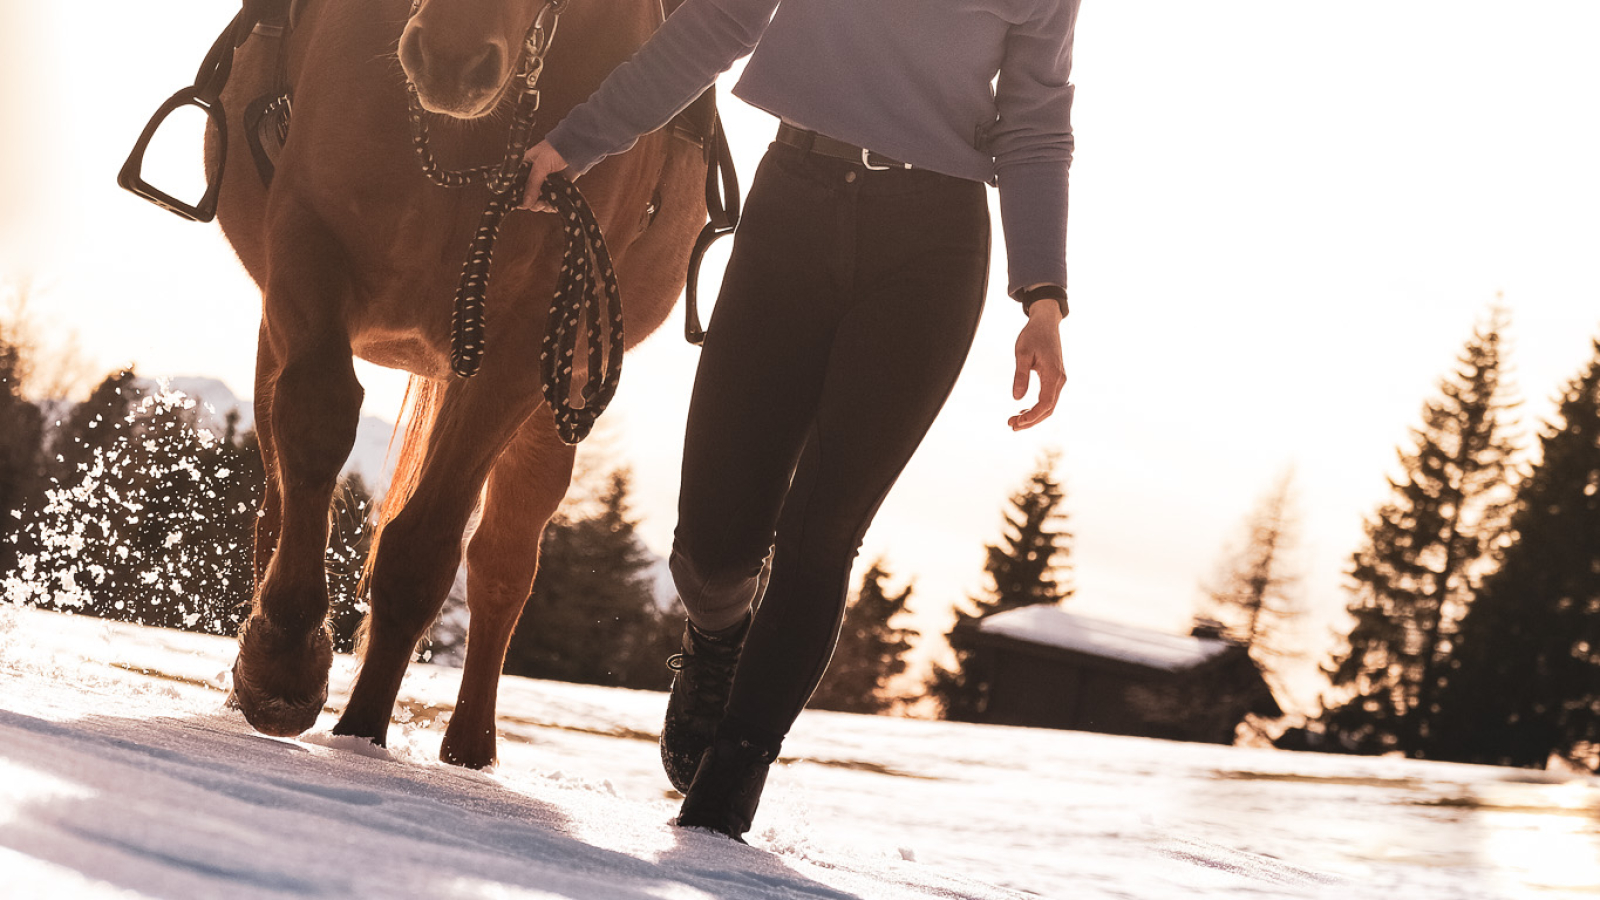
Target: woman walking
x=851, y=298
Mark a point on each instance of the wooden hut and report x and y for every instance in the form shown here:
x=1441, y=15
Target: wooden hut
x=1044, y=667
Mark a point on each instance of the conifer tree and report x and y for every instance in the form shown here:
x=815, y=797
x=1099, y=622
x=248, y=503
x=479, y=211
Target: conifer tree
x=1028, y=567
x=1525, y=682
x=195, y=495
x=67, y=544
x=592, y=617
x=871, y=650
x=151, y=514
x=1252, y=598
x=1426, y=549
x=21, y=463
x=127, y=528
x=94, y=426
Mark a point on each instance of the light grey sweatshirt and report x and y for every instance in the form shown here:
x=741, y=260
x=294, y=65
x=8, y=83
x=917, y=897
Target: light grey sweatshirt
x=972, y=88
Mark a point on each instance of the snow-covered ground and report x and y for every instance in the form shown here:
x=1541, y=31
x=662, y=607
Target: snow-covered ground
x=122, y=776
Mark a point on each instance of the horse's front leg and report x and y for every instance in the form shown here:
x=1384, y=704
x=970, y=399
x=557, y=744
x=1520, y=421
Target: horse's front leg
x=269, y=514
x=419, y=549
x=528, y=483
x=280, y=679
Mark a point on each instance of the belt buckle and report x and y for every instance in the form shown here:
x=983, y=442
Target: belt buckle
x=866, y=160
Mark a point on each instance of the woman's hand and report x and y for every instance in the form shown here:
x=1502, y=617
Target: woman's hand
x=545, y=161
x=1039, y=351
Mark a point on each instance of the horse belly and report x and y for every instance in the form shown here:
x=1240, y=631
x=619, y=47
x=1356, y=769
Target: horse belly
x=406, y=352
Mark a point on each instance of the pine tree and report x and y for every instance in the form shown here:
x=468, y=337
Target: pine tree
x=151, y=515
x=148, y=517
x=592, y=617
x=1028, y=567
x=1252, y=598
x=21, y=462
x=1525, y=682
x=871, y=650
x=94, y=427
x=68, y=543
x=1427, y=548
x=193, y=492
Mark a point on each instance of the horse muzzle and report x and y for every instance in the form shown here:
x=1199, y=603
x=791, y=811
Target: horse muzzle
x=464, y=81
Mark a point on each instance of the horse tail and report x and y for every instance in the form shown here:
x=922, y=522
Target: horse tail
x=418, y=410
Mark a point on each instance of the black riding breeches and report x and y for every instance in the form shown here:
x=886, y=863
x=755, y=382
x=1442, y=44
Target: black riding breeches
x=849, y=305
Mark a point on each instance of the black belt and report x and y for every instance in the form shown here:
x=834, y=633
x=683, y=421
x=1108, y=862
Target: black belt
x=822, y=145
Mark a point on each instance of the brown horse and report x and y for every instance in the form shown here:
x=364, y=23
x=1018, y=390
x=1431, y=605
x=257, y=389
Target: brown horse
x=357, y=254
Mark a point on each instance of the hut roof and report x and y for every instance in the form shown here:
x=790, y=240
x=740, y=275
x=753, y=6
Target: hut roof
x=1051, y=626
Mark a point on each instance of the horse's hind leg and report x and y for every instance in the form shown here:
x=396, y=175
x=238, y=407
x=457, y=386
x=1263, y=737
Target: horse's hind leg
x=419, y=550
x=280, y=679
x=524, y=490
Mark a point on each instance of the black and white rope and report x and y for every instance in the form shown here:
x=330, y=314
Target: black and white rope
x=586, y=274
x=497, y=176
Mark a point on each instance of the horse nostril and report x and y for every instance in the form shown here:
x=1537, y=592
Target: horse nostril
x=485, y=73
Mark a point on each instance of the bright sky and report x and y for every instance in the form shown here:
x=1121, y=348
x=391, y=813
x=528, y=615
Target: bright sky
x=1286, y=218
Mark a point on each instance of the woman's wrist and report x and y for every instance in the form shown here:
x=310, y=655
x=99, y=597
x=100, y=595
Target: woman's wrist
x=1054, y=294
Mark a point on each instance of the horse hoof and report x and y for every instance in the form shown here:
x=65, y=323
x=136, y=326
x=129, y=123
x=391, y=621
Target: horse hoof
x=280, y=680
x=468, y=754
x=475, y=758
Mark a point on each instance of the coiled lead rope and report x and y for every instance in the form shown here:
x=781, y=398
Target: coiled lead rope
x=586, y=272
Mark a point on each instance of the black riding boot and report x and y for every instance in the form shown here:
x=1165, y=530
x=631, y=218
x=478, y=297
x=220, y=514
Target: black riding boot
x=727, y=784
x=699, y=697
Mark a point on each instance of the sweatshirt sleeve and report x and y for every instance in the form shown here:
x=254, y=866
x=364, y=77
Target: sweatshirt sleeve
x=698, y=42
x=1032, y=143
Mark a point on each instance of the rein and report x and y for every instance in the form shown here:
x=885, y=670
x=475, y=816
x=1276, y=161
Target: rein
x=585, y=263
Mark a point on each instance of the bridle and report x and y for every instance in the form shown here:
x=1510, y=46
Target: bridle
x=535, y=46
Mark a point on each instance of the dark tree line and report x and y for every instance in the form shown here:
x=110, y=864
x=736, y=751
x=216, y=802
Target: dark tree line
x=1476, y=598
x=1524, y=681
x=21, y=449
x=131, y=506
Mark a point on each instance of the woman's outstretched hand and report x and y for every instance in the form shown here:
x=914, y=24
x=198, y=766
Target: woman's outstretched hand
x=1039, y=351
x=545, y=161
